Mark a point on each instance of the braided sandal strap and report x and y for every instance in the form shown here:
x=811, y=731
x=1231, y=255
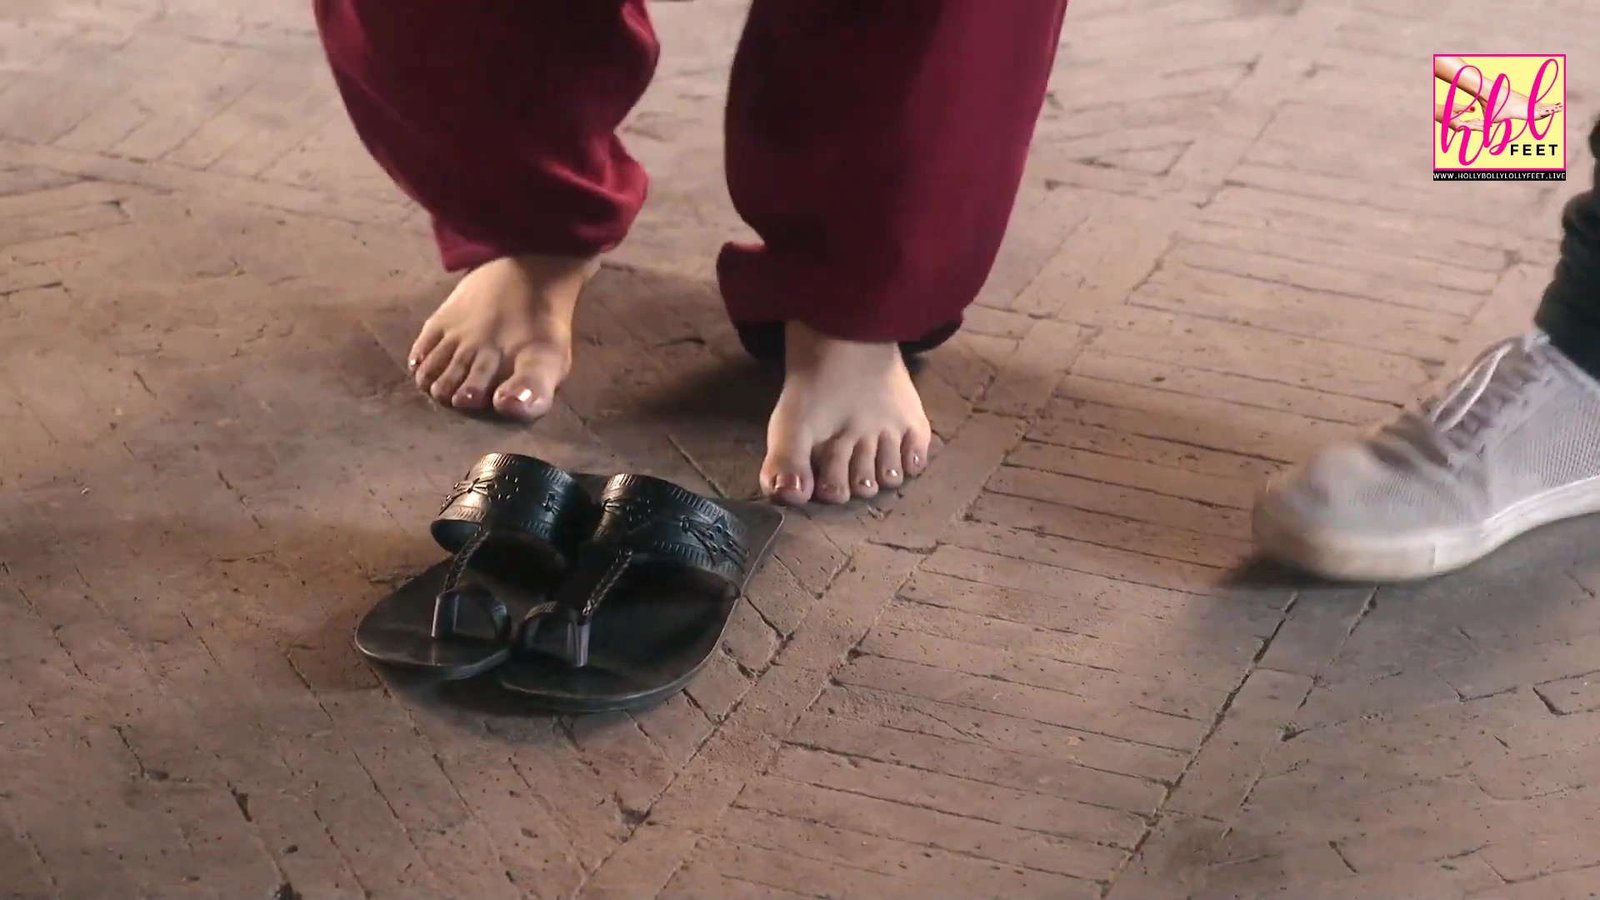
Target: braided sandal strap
x=505, y=498
x=643, y=520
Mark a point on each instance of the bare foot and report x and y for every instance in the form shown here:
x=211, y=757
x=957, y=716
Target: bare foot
x=1515, y=108
x=1546, y=110
x=503, y=336
x=848, y=422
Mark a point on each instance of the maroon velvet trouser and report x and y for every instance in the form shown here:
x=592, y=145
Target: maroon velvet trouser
x=875, y=146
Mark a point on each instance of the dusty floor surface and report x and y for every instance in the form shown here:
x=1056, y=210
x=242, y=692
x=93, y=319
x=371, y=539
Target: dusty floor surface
x=1038, y=673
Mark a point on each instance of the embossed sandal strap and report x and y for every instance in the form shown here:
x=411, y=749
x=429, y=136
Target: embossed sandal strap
x=667, y=523
x=515, y=496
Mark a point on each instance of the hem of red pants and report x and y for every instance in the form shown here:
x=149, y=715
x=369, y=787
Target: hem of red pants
x=757, y=290
x=460, y=255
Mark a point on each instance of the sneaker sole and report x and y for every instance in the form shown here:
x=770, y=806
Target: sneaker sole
x=1345, y=557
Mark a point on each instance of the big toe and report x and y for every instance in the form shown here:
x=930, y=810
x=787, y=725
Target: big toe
x=530, y=391
x=522, y=398
x=786, y=474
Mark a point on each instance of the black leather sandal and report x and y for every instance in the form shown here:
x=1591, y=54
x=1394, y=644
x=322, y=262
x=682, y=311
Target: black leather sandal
x=647, y=601
x=513, y=525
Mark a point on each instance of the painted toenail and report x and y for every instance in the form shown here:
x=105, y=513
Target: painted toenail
x=787, y=482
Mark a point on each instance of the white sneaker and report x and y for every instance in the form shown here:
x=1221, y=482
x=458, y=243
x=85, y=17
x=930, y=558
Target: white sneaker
x=1512, y=444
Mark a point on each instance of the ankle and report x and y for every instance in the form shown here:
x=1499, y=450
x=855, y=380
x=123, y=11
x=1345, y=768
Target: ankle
x=810, y=349
x=548, y=285
x=553, y=271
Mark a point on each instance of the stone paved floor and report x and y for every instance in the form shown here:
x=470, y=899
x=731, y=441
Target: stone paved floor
x=1042, y=672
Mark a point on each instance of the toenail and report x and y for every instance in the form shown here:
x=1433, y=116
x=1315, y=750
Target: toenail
x=787, y=482
x=916, y=459
x=867, y=483
x=525, y=395
x=892, y=474
x=412, y=363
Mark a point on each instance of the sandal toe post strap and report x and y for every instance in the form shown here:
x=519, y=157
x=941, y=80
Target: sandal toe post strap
x=447, y=612
x=447, y=605
x=575, y=646
x=594, y=578
x=515, y=495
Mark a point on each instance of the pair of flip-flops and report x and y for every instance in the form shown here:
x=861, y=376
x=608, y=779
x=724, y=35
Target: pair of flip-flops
x=584, y=593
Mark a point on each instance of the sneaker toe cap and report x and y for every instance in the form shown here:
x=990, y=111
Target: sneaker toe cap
x=1347, y=486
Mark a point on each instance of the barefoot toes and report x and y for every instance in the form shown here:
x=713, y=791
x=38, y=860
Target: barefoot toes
x=864, y=468
x=890, y=461
x=474, y=390
x=449, y=381
x=434, y=364
x=833, y=470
